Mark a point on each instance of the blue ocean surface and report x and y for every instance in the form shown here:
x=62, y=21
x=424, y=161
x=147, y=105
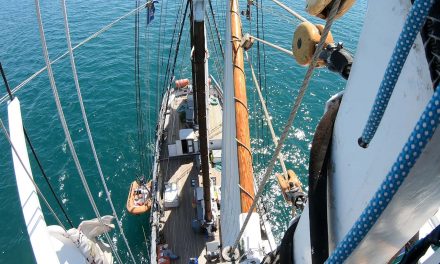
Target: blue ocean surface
x=105, y=67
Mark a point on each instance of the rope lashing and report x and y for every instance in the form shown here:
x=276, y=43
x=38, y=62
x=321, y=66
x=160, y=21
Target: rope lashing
x=407, y=158
x=413, y=23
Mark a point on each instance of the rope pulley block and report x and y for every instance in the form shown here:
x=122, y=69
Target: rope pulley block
x=321, y=8
x=292, y=189
x=247, y=41
x=305, y=39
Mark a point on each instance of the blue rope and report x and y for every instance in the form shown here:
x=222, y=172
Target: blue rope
x=408, y=156
x=413, y=23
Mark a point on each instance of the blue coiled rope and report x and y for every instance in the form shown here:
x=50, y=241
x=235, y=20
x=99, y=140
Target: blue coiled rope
x=413, y=23
x=408, y=156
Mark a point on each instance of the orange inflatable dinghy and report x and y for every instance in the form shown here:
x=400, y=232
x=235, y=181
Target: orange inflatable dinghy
x=139, y=198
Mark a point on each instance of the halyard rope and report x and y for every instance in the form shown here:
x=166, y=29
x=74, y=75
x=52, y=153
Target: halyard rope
x=66, y=129
x=86, y=123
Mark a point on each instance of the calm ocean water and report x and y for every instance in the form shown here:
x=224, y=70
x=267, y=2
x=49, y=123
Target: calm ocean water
x=106, y=69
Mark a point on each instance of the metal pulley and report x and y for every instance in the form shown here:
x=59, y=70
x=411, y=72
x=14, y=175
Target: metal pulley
x=337, y=59
x=321, y=8
x=305, y=39
x=247, y=41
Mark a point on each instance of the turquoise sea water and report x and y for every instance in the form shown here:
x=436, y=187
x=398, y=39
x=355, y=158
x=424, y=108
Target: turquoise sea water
x=106, y=69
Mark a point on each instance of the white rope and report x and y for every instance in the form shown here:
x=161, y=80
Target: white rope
x=295, y=14
x=29, y=175
x=266, y=115
x=66, y=129
x=276, y=13
x=291, y=118
x=288, y=52
x=96, y=34
x=86, y=123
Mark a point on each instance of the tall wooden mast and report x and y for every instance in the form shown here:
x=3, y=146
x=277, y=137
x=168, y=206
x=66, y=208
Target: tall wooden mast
x=199, y=60
x=244, y=155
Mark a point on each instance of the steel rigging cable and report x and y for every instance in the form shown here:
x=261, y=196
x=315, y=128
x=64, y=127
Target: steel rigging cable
x=168, y=78
x=86, y=123
x=66, y=129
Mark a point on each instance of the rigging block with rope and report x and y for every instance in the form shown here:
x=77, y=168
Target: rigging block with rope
x=305, y=39
x=321, y=8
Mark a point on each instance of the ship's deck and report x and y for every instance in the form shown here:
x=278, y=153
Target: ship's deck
x=176, y=229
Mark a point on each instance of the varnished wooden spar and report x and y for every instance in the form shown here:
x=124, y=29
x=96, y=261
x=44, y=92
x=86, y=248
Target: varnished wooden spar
x=199, y=60
x=241, y=113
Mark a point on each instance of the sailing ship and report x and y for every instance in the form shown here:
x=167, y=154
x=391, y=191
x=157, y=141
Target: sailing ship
x=373, y=171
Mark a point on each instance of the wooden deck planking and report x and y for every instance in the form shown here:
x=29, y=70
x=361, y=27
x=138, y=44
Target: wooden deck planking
x=177, y=231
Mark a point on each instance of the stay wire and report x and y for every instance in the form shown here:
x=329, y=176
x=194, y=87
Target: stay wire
x=94, y=35
x=168, y=78
x=148, y=89
x=138, y=95
x=40, y=194
x=291, y=118
x=34, y=153
x=179, y=39
x=5, y=81
x=216, y=29
x=158, y=92
x=214, y=47
x=86, y=123
x=66, y=129
x=264, y=62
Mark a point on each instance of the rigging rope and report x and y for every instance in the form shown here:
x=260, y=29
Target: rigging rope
x=86, y=123
x=264, y=63
x=147, y=85
x=408, y=156
x=139, y=113
x=158, y=58
x=275, y=13
x=413, y=23
x=66, y=129
x=96, y=34
x=295, y=14
x=5, y=132
x=291, y=118
x=34, y=153
x=266, y=115
x=210, y=33
x=179, y=39
x=167, y=71
x=216, y=29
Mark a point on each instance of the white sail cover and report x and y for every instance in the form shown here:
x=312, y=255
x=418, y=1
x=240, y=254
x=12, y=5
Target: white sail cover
x=32, y=213
x=52, y=244
x=85, y=239
x=231, y=199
